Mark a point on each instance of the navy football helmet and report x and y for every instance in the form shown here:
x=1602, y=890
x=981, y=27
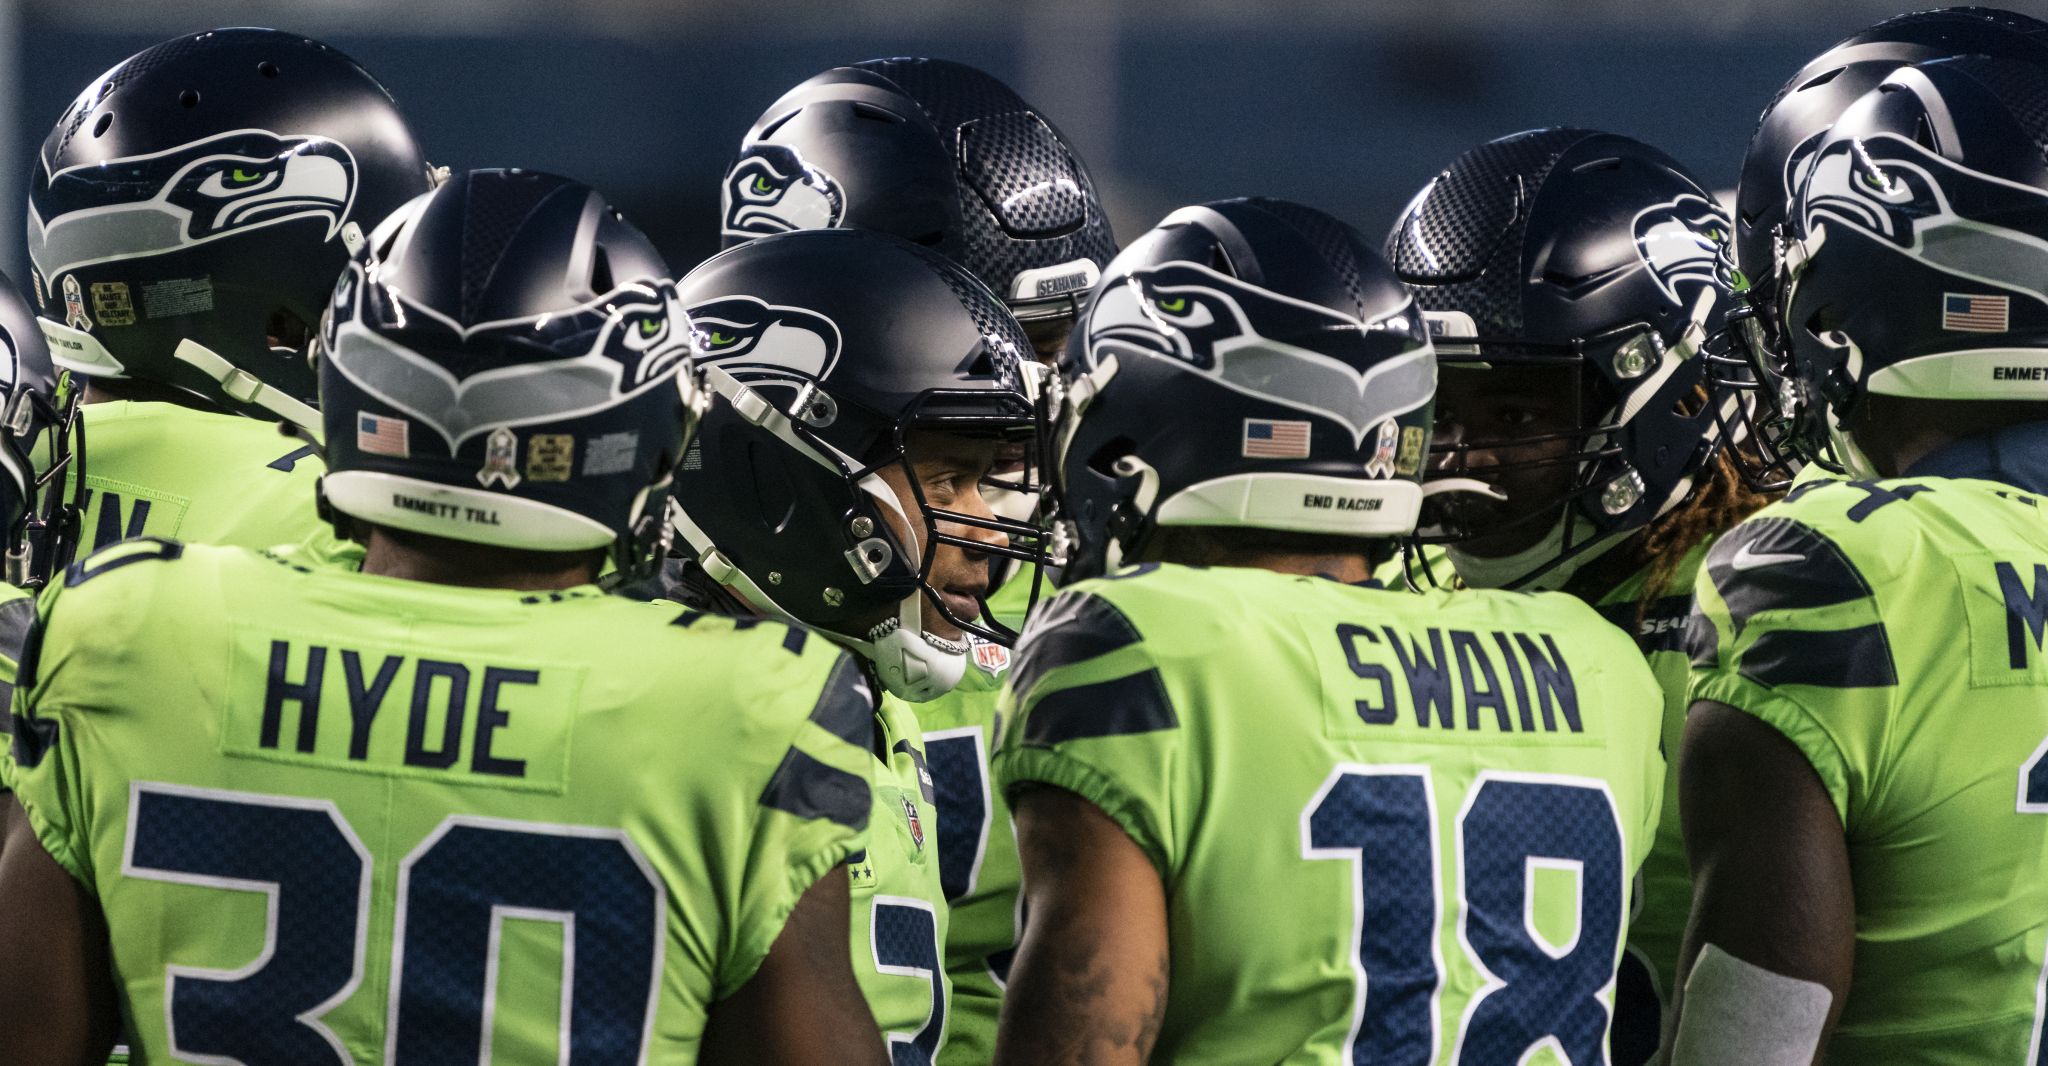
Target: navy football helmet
x=1780, y=154
x=189, y=213
x=938, y=153
x=1248, y=363
x=823, y=352
x=1597, y=255
x=40, y=439
x=1914, y=263
x=503, y=364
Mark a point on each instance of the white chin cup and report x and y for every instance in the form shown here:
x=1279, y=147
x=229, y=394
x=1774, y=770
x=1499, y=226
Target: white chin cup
x=1512, y=571
x=912, y=664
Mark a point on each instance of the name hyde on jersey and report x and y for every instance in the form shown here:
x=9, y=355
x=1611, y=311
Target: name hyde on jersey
x=398, y=711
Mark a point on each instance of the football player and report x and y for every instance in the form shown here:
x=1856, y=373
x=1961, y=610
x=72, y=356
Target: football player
x=586, y=831
x=188, y=215
x=948, y=156
x=1572, y=280
x=1267, y=814
x=1862, y=779
x=1779, y=155
x=862, y=389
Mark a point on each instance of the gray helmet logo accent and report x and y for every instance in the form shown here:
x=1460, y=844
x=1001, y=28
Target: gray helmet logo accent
x=1931, y=209
x=771, y=189
x=763, y=343
x=1684, y=242
x=642, y=339
x=202, y=191
x=1194, y=314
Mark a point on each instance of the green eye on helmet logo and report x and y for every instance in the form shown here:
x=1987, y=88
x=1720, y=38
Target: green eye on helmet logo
x=650, y=326
x=1174, y=306
x=721, y=340
x=238, y=176
x=761, y=185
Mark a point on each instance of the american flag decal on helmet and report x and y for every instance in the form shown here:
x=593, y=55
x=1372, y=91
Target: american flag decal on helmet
x=1970, y=313
x=1265, y=438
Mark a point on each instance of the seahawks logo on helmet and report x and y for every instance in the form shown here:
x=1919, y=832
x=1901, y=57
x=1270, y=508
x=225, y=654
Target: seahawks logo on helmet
x=639, y=334
x=1943, y=214
x=762, y=343
x=1685, y=243
x=772, y=190
x=198, y=192
x=1262, y=344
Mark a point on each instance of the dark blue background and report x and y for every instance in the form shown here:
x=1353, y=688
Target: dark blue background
x=1350, y=121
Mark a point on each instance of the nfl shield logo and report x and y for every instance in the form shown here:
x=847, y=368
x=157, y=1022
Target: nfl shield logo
x=916, y=823
x=992, y=658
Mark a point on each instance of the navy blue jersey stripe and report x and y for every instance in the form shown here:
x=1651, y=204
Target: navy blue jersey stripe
x=1074, y=627
x=846, y=708
x=1135, y=703
x=1839, y=658
x=1776, y=564
x=807, y=788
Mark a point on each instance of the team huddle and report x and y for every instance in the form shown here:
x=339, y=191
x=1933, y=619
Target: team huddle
x=1588, y=626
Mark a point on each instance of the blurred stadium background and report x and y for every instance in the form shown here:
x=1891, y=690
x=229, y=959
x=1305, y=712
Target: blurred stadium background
x=1349, y=105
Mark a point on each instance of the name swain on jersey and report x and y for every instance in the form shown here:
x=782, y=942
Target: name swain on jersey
x=1521, y=679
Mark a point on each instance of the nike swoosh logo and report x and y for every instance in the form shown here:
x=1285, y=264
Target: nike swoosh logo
x=1748, y=559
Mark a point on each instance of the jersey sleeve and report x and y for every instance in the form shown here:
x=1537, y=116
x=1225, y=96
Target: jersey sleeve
x=41, y=766
x=1786, y=628
x=812, y=813
x=1087, y=710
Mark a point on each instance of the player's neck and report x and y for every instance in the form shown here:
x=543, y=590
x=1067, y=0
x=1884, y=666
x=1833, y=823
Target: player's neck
x=105, y=390
x=439, y=561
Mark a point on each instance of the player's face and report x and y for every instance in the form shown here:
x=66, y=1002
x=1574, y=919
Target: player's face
x=949, y=470
x=1495, y=411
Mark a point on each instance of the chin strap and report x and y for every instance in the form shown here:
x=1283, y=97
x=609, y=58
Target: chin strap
x=243, y=387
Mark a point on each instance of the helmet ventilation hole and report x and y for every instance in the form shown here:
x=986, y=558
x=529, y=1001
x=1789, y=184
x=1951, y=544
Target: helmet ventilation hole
x=875, y=114
x=1821, y=79
x=600, y=271
x=267, y=69
x=189, y=98
x=932, y=239
x=99, y=129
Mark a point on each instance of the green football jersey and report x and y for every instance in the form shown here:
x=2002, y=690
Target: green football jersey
x=899, y=911
x=977, y=853
x=1440, y=798
x=164, y=470
x=1892, y=631
x=580, y=824
x=1664, y=892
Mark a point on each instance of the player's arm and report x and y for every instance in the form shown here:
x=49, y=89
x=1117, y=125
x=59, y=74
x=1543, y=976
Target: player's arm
x=803, y=1005
x=1089, y=981
x=1768, y=952
x=57, y=998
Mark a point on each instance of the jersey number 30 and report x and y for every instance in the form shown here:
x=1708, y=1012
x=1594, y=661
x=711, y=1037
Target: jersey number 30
x=1383, y=819
x=455, y=890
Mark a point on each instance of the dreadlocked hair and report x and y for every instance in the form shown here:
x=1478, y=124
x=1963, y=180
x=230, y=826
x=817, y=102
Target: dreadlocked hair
x=1717, y=505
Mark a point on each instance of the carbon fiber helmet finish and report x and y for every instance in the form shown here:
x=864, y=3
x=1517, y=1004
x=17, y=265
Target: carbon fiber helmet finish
x=935, y=152
x=1576, y=248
